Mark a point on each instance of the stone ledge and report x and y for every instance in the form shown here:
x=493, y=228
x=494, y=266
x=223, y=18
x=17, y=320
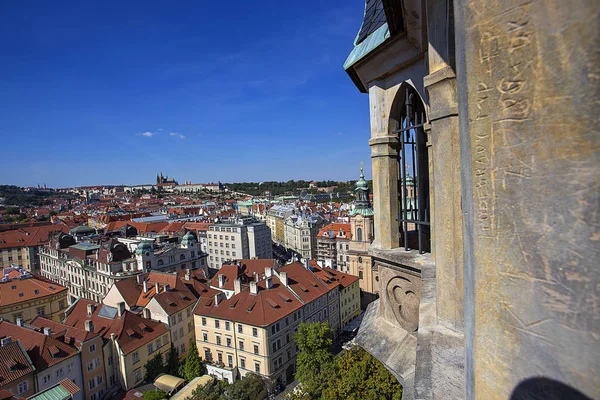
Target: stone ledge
x=400, y=257
x=390, y=344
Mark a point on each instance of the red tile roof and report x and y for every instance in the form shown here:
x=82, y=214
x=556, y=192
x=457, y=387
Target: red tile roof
x=15, y=363
x=68, y=334
x=69, y=386
x=269, y=304
x=19, y=290
x=27, y=237
x=331, y=277
x=336, y=228
x=43, y=350
x=120, y=326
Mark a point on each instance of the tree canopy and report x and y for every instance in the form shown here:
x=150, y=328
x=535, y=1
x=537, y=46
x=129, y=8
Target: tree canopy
x=154, y=367
x=314, y=363
x=155, y=395
x=193, y=366
x=251, y=387
x=355, y=375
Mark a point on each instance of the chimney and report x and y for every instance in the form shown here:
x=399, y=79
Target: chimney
x=253, y=288
x=147, y=313
x=121, y=307
x=145, y=283
x=188, y=274
x=268, y=271
x=256, y=277
x=20, y=321
x=167, y=287
x=283, y=278
x=6, y=341
x=221, y=279
x=90, y=309
x=237, y=285
x=269, y=282
x=47, y=331
x=140, y=278
x=156, y=287
x=89, y=325
x=306, y=263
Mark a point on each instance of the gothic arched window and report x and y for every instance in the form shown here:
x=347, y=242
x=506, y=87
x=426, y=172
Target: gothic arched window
x=413, y=160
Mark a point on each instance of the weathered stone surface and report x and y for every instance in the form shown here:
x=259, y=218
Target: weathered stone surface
x=394, y=347
x=531, y=77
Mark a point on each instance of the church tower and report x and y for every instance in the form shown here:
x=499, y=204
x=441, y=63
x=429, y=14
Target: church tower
x=362, y=228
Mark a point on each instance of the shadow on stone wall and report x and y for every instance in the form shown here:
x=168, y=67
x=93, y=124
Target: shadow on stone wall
x=545, y=389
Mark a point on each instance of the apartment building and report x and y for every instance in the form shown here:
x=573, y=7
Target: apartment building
x=162, y=297
x=21, y=246
x=53, y=359
x=129, y=340
x=169, y=254
x=89, y=345
x=301, y=234
x=25, y=296
x=347, y=307
x=333, y=243
x=248, y=324
x=276, y=217
x=240, y=239
x=87, y=270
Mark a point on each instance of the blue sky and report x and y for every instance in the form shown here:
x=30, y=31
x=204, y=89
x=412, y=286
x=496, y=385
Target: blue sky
x=114, y=92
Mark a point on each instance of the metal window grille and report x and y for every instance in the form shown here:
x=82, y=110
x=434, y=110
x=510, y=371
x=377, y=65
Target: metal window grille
x=413, y=194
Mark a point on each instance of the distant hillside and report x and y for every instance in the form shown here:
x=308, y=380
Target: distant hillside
x=15, y=196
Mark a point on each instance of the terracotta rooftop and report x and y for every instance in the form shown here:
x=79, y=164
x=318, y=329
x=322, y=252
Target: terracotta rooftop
x=335, y=228
x=68, y=334
x=43, y=350
x=29, y=236
x=19, y=290
x=15, y=362
x=126, y=327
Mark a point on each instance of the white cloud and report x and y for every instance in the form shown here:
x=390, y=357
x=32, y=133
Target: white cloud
x=179, y=135
x=147, y=134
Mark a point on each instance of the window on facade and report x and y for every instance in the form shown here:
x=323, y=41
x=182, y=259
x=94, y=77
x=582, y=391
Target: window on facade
x=254, y=332
x=217, y=324
x=135, y=357
x=203, y=321
x=219, y=340
x=255, y=349
x=160, y=262
x=230, y=361
x=226, y=325
x=220, y=357
x=243, y=363
x=240, y=328
x=413, y=196
x=360, y=274
x=92, y=347
x=257, y=367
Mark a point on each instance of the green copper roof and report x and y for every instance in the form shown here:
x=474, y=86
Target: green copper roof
x=365, y=212
x=367, y=45
x=55, y=393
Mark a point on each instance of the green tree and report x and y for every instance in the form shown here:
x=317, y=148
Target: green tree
x=251, y=387
x=154, y=367
x=173, y=361
x=213, y=390
x=155, y=395
x=193, y=366
x=358, y=376
x=315, y=361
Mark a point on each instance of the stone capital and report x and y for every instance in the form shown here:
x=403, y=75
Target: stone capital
x=384, y=146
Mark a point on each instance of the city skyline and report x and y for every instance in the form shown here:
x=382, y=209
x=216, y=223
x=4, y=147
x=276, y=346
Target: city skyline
x=262, y=97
